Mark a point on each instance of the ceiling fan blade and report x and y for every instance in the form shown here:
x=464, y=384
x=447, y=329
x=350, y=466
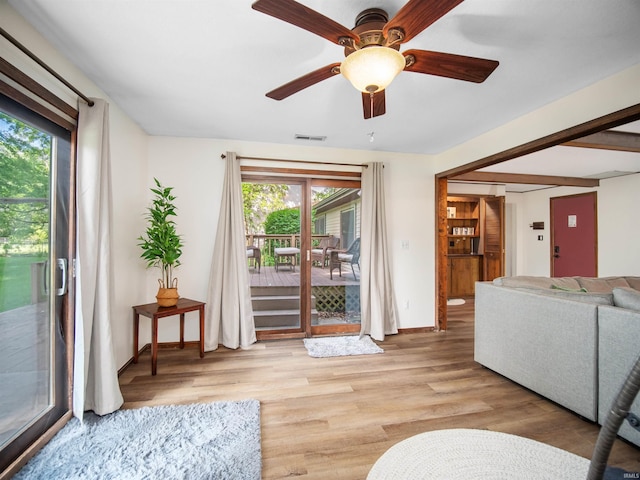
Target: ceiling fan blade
x=470, y=69
x=302, y=16
x=379, y=104
x=416, y=15
x=294, y=86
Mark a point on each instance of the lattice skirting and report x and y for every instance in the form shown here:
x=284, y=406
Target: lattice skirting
x=337, y=298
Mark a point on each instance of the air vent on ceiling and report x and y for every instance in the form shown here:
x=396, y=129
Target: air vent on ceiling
x=311, y=138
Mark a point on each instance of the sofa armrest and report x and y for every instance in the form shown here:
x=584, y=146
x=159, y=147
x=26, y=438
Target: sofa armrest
x=545, y=343
x=619, y=346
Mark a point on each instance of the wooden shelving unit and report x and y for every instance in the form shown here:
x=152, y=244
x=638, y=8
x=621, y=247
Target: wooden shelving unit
x=463, y=224
x=463, y=233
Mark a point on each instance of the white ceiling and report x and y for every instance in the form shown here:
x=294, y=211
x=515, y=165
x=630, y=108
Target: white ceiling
x=200, y=68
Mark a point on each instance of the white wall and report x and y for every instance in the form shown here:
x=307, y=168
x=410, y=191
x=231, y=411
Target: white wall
x=618, y=230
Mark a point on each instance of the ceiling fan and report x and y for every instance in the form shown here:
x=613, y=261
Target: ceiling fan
x=375, y=40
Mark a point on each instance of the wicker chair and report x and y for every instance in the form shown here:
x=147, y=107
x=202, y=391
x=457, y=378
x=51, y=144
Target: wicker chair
x=323, y=252
x=350, y=256
x=254, y=252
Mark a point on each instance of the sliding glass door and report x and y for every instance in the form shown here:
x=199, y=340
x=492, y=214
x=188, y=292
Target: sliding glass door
x=335, y=270
x=35, y=160
x=272, y=212
x=302, y=239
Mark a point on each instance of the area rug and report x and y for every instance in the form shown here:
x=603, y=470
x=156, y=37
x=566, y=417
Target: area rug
x=322, y=347
x=476, y=455
x=218, y=440
x=456, y=301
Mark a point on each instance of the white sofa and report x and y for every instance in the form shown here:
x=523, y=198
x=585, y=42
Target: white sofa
x=572, y=340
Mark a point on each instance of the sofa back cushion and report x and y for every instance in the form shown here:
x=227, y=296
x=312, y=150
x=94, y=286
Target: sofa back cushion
x=634, y=282
x=626, y=298
x=526, y=281
x=597, y=298
x=602, y=284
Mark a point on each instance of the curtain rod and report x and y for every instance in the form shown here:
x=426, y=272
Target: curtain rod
x=32, y=56
x=238, y=157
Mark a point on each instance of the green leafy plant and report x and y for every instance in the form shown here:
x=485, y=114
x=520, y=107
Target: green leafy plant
x=283, y=222
x=161, y=245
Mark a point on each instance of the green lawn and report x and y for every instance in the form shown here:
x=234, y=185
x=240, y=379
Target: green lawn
x=15, y=280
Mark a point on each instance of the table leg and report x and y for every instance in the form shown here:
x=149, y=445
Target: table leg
x=182, y=330
x=154, y=345
x=201, y=309
x=136, y=326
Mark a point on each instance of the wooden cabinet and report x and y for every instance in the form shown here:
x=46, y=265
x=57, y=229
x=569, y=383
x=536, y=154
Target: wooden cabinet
x=475, y=226
x=464, y=272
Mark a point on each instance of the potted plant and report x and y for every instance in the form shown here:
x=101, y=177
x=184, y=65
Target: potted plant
x=161, y=245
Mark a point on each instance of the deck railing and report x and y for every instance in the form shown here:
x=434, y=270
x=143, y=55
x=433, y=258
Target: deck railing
x=267, y=243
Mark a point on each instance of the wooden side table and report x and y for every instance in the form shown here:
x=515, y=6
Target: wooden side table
x=154, y=312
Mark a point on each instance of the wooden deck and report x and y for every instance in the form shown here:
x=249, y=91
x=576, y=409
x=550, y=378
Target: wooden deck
x=286, y=277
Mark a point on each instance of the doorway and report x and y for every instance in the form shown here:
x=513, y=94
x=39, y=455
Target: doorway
x=35, y=168
x=305, y=279
x=574, y=245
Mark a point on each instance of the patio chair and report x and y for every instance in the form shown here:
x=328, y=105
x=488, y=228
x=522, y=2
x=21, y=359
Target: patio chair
x=322, y=254
x=350, y=256
x=254, y=252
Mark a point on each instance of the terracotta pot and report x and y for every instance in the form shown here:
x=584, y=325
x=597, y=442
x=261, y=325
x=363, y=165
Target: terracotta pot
x=168, y=297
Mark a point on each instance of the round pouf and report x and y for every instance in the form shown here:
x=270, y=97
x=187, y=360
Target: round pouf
x=476, y=454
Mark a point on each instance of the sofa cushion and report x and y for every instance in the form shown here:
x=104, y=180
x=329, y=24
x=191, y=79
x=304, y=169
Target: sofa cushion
x=576, y=296
x=564, y=289
x=566, y=283
x=626, y=298
x=634, y=282
x=596, y=298
x=602, y=284
x=526, y=281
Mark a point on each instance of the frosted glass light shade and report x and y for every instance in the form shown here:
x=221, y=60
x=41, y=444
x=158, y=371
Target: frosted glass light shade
x=372, y=69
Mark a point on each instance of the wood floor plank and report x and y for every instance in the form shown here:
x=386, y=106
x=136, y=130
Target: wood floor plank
x=333, y=418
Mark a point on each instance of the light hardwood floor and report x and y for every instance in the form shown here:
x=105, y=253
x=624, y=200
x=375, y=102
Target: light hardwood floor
x=332, y=418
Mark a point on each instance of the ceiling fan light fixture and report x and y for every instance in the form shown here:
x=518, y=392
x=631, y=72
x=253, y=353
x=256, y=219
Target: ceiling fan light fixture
x=372, y=69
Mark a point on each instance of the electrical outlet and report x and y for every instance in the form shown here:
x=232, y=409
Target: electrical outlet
x=540, y=238
x=406, y=304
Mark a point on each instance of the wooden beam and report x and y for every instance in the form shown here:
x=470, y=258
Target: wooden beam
x=609, y=140
x=527, y=179
x=615, y=119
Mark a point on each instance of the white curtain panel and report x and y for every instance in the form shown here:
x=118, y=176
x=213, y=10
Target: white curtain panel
x=95, y=382
x=377, y=298
x=229, y=315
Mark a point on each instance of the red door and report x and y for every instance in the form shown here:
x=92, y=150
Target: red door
x=574, y=247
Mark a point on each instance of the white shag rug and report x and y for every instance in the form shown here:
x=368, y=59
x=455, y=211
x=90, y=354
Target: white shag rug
x=476, y=455
x=456, y=301
x=321, y=347
x=219, y=440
